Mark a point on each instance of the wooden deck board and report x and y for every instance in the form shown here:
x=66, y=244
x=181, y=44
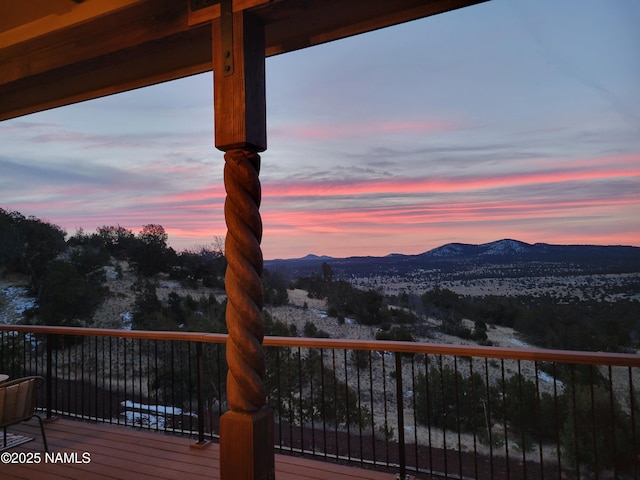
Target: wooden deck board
x=120, y=453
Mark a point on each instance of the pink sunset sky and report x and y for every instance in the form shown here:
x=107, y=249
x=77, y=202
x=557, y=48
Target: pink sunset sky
x=509, y=119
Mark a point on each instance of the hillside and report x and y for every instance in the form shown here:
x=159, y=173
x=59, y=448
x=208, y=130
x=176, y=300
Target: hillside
x=506, y=258
x=354, y=298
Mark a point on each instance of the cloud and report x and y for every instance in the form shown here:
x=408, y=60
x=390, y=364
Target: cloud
x=575, y=171
x=24, y=172
x=340, y=129
x=398, y=140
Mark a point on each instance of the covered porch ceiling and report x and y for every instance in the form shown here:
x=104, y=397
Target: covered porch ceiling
x=57, y=52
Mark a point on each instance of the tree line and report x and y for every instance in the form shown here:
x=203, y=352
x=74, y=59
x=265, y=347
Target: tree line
x=567, y=323
x=68, y=278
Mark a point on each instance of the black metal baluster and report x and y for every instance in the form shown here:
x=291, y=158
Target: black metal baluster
x=68, y=375
x=147, y=377
x=474, y=425
x=14, y=365
x=575, y=420
x=522, y=420
x=457, y=390
x=300, y=384
x=280, y=384
x=49, y=402
x=415, y=417
x=24, y=354
x=384, y=403
x=126, y=379
x=444, y=428
x=400, y=418
x=373, y=421
x=132, y=378
x=594, y=425
x=634, y=434
x=290, y=390
x=219, y=347
x=312, y=403
x=359, y=412
x=612, y=424
x=538, y=414
x=33, y=357
x=324, y=404
x=96, y=382
x=200, y=373
x=487, y=414
x=427, y=384
x=138, y=344
x=190, y=391
x=346, y=397
x=82, y=363
x=153, y=381
x=172, y=381
x=111, y=376
x=335, y=404
x=505, y=419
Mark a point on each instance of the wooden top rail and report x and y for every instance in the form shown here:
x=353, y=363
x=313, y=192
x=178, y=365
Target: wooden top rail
x=531, y=354
x=111, y=332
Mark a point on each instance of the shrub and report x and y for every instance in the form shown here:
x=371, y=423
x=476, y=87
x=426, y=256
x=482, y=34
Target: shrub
x=446, y=397
x=67, y=297
x=598, y=429
x=275, y=288
x=311, y=331
x=396, y=333
x=530, y=417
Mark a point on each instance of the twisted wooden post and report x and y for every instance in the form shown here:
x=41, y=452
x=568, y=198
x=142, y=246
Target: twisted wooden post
x=246, y=391
x=246, y=430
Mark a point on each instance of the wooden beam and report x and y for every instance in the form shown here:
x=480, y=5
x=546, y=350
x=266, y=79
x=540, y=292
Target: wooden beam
x=23, y=21
x=173, y=57
x=297, y=25
x=211, y=12
x=122, y=30
x=151, y=41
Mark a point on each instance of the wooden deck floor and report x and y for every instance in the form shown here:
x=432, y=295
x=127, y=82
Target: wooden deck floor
x=127, y=454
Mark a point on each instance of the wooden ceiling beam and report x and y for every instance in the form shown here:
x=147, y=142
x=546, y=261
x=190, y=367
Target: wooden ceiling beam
x=154, y=62
x=121, y=30
x=306, y=23
x=158, y=40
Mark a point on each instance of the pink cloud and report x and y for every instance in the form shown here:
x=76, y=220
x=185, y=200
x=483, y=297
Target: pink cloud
x=403, y=185
x=378, y=216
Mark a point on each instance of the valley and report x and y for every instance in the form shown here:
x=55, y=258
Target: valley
x=514, y=274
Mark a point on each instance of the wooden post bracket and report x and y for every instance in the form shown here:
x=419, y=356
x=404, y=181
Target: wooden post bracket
x=226, y=24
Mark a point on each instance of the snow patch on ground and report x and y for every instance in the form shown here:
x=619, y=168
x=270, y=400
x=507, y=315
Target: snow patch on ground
x=159, y=409
x=127, y=319
x=545, y=377
x=152, y=416
x=18, y=301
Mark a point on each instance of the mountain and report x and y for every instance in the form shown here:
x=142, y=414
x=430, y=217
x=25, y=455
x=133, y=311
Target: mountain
x=506, y=257
x=505, y=247
x=307, y=258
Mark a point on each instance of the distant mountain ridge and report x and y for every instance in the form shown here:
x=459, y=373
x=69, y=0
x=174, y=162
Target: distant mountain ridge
x=500, y=247
x=507, y=253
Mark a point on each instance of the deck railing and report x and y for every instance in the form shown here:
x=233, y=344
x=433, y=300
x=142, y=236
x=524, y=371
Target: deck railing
x=419, y=409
